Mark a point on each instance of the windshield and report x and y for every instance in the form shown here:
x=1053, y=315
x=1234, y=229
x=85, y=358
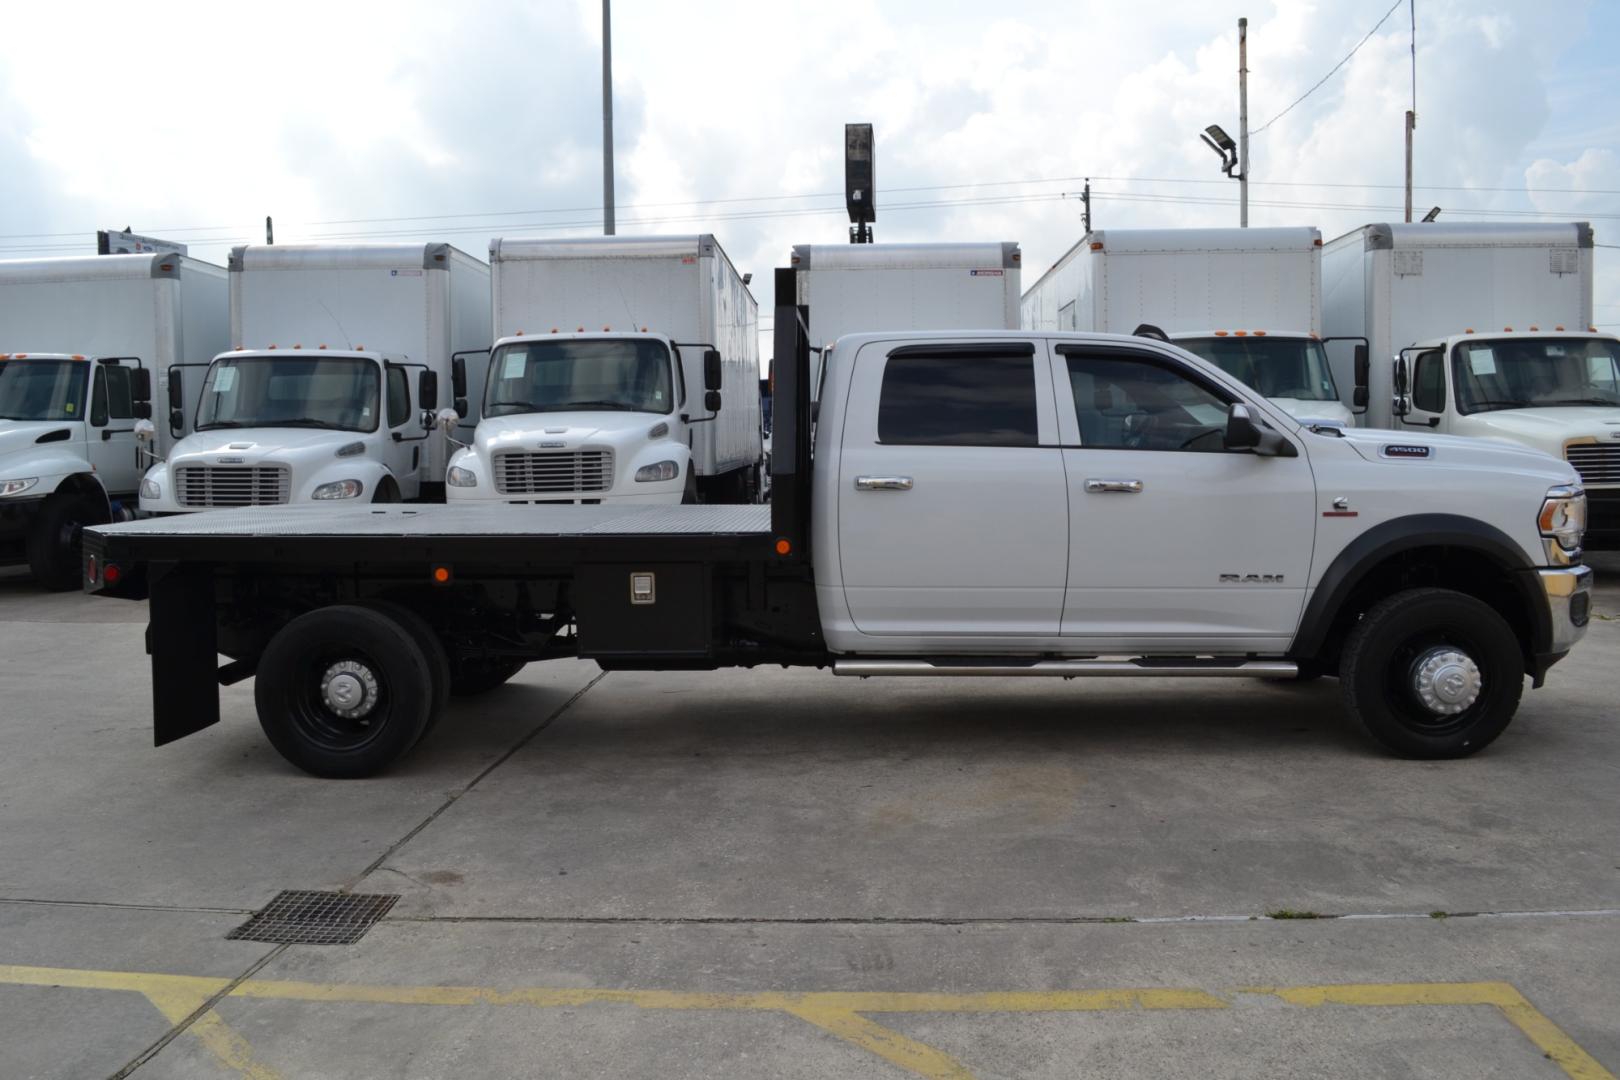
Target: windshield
x=1277, y=367
x=1535, y=373
x=557, y=376
x=42, y=389
x=290, y=391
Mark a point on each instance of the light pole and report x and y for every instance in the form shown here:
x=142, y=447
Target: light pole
x=607, y=119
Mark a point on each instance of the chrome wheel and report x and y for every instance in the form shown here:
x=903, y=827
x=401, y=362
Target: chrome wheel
x=1446, y=680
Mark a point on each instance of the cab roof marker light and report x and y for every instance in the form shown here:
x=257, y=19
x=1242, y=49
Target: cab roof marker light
x=78, y=356
x=1507, y=329
x=1096, y=245
x=1259, y=333
x=553, y=329
x=1240, y=333
x=607, y=329
x=643, y=329
x=323, y=346
x=1220, y=333
x=1558, y=328
x=1535, y=329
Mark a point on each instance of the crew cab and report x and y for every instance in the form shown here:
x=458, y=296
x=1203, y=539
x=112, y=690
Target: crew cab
x=993, y=503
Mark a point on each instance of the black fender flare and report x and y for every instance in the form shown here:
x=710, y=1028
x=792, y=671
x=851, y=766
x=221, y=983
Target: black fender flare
x=1392, y=537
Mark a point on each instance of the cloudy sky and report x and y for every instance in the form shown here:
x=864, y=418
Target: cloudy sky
x=460, y=122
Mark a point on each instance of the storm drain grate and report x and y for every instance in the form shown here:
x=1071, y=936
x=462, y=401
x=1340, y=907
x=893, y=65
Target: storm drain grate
x=306, y=917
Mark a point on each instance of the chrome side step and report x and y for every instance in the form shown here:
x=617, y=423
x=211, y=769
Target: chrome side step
x=1189, y=667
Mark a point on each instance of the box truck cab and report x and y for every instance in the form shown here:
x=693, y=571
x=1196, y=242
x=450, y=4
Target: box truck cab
x=68, y=453
x=82, y=342
x=580, y=405
x=589, y=418
x=1261, y=289
x=299, y=425
x=1558, y=393
x=1290, y=368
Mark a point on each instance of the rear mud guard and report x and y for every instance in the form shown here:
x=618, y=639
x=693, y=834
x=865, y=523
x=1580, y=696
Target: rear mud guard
x=182, y=640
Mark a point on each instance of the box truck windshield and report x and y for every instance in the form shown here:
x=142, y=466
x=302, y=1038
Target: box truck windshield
x=42, y=389
x=580, y=376
x=303, y=391
x=1277, y=367
x=1531, y=374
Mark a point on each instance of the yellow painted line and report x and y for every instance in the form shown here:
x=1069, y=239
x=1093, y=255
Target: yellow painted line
x=840, y=1013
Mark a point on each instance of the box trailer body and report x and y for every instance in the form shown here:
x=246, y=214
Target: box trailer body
x=1249, y=300
x=1397, y=284
x=405, y=306
x=853, y=288
x=601, y=341
x=83, y=340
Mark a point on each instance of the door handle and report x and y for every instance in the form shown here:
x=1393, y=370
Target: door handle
x=1123, y=487
x=883, y=483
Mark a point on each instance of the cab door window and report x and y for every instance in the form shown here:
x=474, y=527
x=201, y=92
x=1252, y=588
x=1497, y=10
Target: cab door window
x=399, y=397
x=1135, y=402
x=1429, y=383
x=946, y=398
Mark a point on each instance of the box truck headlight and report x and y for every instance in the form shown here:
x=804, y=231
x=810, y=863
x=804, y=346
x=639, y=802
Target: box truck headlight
x=663, y=470
x=17, y=487
x=338, y=489
x=459, y=477
x=150, y=489
x=1563, y=520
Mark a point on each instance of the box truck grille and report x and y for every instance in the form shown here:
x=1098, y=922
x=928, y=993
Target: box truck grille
x=1596, y=464
x=519, y=472
x=232, y=485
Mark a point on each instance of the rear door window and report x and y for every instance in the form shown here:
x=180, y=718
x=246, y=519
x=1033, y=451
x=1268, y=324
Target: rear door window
x=958, y=399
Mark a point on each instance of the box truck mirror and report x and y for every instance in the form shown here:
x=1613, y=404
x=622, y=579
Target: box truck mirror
x=141, y=410
x=1363, y=366
x=177, y=421
x=711, y=401
x=177, y=393
x=427, y=389
x=458, y=379
x=1359, y=397
x=460, y=406
x=140, y=385
x=1399, y=376
x=711, y=370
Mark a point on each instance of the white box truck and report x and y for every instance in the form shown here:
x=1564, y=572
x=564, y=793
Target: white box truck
x=1248, y=300
x=625, y=369
x=80, y=339
x=1486, y=329
x=852, y=288
x=330, y=390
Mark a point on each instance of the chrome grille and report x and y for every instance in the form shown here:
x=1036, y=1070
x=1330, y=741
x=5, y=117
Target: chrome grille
x=521, y=472
x=232, y=485
x=1597, y=464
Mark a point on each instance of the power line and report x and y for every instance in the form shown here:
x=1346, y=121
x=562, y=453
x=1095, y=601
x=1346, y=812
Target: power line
x=1334, y=69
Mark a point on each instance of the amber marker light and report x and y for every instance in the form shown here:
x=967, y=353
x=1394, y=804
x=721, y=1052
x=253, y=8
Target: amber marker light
x=784, y=546
x=441, y=575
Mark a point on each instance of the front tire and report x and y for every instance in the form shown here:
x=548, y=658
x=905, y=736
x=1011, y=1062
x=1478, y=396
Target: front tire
x=55, y=546
x=343, y=691
x=1432, y=673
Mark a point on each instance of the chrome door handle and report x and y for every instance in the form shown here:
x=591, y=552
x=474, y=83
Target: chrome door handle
x=1124, y=487
x=883, y=483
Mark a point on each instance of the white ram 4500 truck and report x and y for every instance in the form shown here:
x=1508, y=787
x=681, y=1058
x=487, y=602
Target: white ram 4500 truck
x=625, y=370
x=985, y=503
x=332, y=389
x=1247, y=300
x=80, y=339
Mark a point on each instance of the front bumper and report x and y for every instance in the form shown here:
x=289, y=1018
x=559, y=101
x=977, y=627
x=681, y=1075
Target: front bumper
x=1569, y=603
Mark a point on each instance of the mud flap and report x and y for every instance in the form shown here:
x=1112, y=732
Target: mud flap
x=182, y=640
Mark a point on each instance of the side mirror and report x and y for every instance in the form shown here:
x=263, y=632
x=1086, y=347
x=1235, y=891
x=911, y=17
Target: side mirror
x=177, y=421
x=141, y=410
x=427, y=389
x=711, y=401
x=1242, y=433
x=711, y=370
x=1398, y=376
x=458, y=377
x=1358, y=397
x=1363, y=367
x=140, y=384
x=177, y=391
x=460, y=406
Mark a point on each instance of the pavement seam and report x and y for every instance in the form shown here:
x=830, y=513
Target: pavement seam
x=451, y=800
x=179, y=1028
x=179, y=909
x=1009, y=920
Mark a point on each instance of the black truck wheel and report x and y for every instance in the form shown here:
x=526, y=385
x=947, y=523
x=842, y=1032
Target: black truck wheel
x=54, y=547
x=472, y=677
x=438, y=664
x=1432, y=673
x=343, y=691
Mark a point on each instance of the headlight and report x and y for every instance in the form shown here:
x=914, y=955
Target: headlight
x=663, y=470
x=151, y=490
x=1563, y=521
x=13, y=487
x=339, y=489
x=459, y=477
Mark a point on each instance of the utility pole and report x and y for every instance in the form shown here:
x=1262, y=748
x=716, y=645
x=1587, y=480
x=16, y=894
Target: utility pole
x=1243, y=123
x=1411, y=114
x=607, y=119
x=269, y=231
x=1085, y=201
